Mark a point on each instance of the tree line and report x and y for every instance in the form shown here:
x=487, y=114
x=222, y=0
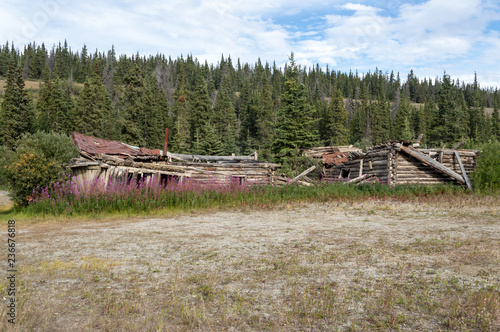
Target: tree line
x=228, y=107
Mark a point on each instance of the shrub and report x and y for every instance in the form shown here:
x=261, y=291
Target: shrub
x=52, y=146
x=6, y=158
x=487, y=175
x=37, y=162
x=29, y=171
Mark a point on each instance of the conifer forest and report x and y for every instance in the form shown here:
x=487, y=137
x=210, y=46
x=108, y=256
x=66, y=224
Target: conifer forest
x=232, y=107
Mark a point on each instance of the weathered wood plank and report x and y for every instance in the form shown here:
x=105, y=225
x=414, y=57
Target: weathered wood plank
x=432, y=163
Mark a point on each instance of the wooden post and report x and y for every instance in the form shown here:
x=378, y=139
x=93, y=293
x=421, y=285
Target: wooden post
x=165, y=143
x=361, y=167
x=307, y=171
x=464, y=173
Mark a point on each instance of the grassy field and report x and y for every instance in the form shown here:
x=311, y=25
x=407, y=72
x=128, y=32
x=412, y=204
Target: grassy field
x=429, y=263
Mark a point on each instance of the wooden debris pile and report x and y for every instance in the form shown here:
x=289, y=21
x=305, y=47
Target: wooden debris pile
x=111, y=160
x=398, y=162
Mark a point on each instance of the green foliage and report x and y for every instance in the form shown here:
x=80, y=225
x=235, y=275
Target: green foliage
x=7, y=156
x=487, y=175
x=16, y=112
x=52, y=146
x=37, y=161
x=336, y=120
x=30, y=171
x=293, y=166
x=295, y=128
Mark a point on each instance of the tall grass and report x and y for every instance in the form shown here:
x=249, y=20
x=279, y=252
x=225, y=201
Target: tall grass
x=143, y=196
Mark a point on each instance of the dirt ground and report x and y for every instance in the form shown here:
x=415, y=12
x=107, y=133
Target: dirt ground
x=4, y=198
x=379, y=264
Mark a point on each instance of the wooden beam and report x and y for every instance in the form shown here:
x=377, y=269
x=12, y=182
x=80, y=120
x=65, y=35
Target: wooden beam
x=307, y=171
x=432, y=163
x=464, y=173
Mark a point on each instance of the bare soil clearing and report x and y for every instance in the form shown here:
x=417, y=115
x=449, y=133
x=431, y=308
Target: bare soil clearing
x=381, y=264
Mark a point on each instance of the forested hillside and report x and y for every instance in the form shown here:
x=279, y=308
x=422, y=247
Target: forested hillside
x=232, y=107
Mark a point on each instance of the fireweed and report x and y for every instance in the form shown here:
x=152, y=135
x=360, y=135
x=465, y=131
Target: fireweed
x=66, y=197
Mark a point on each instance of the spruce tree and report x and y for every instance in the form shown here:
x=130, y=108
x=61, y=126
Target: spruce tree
x=16, y=113
x=181, y=136
x=93, y=114
x=55, y=106
x=224, y=118
x=132, y=107
x=402, y=130
x=295, y=126
x=337, y=120
x=201, y=107
x=495, y=124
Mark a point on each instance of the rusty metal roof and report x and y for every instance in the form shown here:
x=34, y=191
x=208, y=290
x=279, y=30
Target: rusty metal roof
x=96, y=146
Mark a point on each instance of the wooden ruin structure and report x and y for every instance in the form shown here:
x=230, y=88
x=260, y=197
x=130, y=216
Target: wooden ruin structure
x=115, y=161
x=400, y=163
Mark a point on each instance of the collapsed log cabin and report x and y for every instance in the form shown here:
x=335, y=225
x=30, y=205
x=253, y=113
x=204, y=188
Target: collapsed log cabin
x=400, y=163
x=115, y=161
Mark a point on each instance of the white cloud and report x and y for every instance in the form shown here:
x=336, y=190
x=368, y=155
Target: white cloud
x=433, y=34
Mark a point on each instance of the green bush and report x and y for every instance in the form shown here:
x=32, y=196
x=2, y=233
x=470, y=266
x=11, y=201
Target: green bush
x=30, y=171
x=7, y=156
x=52, y=146
x=37, y=162
x=487, y=175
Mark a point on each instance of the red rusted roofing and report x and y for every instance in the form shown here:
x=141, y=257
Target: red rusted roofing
x=96, y=146
x=335, y=158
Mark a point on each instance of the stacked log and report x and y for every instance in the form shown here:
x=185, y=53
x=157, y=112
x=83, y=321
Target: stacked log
x=374, y=164
x=111, y=168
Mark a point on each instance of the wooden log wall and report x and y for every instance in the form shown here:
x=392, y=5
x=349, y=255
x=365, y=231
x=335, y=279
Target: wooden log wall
x=376, y=164
x=396, y=167
x=115, y=169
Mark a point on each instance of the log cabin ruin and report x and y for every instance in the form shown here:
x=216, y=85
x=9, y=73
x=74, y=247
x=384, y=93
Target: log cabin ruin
x=401, y=162
x=115, y=161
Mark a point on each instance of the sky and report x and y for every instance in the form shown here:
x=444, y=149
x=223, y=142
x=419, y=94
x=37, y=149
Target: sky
x=430, y=37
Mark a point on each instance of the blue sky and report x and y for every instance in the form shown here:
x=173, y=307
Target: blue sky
x=429, y=37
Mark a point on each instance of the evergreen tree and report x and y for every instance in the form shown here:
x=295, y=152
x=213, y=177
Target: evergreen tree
x=447, y=124
x=336, y=120
x=294, y=127
x=380, y=118
x=55, y=106
x=93, y=114
x=495, y=124
x=181, y=136
x=16, y=113
x=132, y=107
x=224, y=119
x=211, y=144
x=265, y=120
x=201, y=107
x=402, y=130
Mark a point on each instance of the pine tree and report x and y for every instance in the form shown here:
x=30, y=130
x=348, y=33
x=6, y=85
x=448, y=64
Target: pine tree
x=93, y=114
x=380, y=118
x=16, y=113
x=402, y=130
x=294, y=130
x=447, y=125
x=265, y=120
x=132, y=107
x=182, y=108
x=224, y=119
x=201, y=107
x=211, y=144
x=495, y=124
x=336, y=121
x=55, y=106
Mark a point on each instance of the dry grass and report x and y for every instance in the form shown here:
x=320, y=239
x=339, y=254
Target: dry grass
x=335, y=266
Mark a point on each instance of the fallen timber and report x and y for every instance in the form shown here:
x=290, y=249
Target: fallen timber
x=116, y=161
x=400, y=162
